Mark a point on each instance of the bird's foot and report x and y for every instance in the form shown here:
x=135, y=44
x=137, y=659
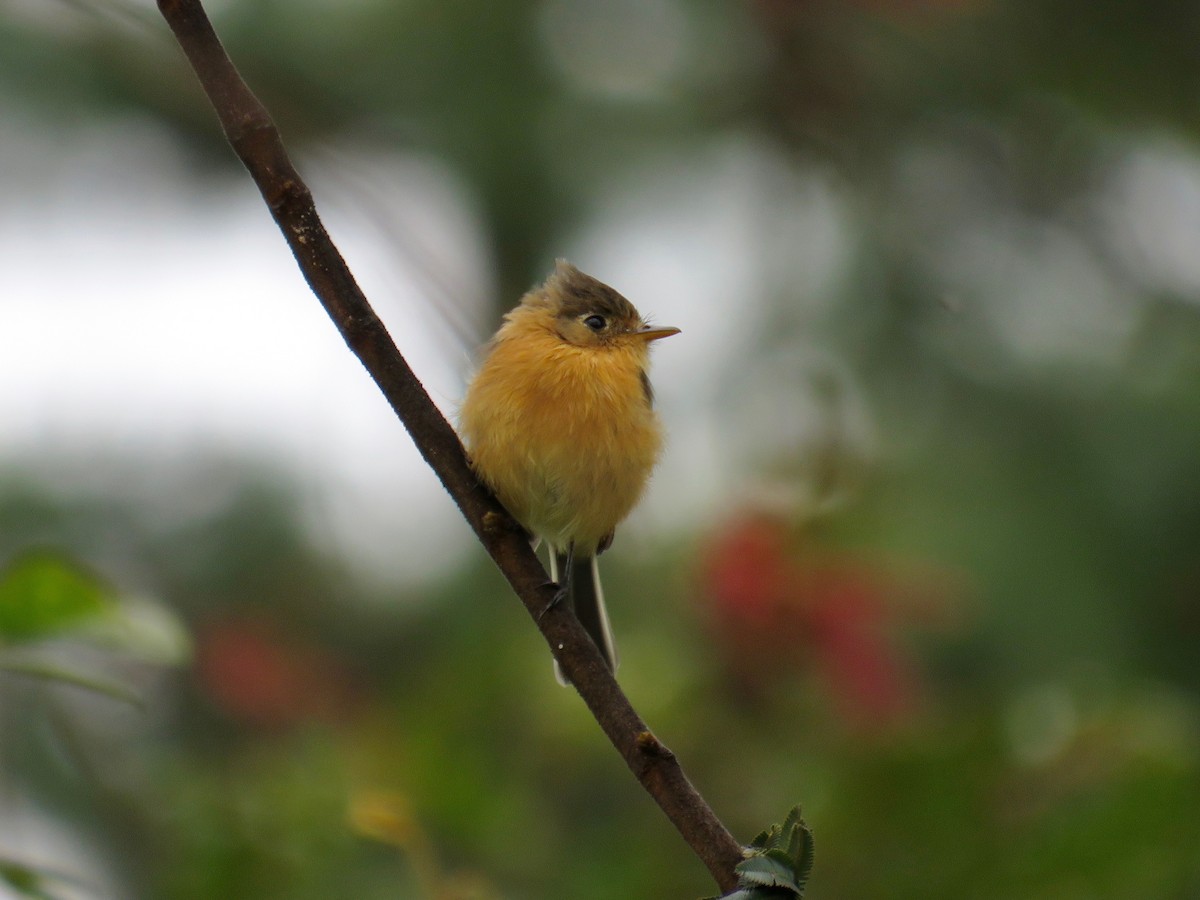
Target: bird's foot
x=560, y=594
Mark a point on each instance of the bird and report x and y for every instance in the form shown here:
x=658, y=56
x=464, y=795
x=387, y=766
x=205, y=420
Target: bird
x=559, y=422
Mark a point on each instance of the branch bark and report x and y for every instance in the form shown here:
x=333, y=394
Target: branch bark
x=254, y=137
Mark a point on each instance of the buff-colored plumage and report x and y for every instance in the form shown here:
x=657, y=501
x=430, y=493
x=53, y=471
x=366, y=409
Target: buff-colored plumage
x=559, y=419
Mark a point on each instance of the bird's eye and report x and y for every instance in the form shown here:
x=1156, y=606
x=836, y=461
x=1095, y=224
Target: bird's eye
x=596, y=323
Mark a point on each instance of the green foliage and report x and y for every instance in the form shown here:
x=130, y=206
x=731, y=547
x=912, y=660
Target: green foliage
x=22, y=879
x=1030, y=514
x=42, y=594
x=56, y=674
x=47, y=597
x=29, y=882
x=778, y=863
x=503, y=780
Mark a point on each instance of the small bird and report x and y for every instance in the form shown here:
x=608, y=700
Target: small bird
x=559, y=422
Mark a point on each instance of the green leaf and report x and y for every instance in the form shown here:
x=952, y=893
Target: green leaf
x=778, y=862
x=766, y=871
x=759, y=893
x=142, y=629
x=34, y=882
x=43, y=594
x=26, y=881
x=793, y=823
x=49, y=672
x=806, y=856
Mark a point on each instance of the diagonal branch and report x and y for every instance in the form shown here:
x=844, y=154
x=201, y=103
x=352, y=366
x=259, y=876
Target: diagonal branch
x=256, y=141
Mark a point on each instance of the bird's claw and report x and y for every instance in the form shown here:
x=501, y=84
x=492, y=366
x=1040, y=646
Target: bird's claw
x=560, y=594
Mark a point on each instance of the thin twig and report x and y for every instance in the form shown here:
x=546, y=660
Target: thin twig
x=256, y=141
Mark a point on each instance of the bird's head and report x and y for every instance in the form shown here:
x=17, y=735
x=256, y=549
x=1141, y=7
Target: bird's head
x=588, y=313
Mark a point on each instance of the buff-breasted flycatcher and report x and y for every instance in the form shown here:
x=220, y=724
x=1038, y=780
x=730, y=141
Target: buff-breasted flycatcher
x=559, y=422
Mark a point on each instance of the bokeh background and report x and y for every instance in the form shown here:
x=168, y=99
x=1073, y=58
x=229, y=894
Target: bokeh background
x=923, y=554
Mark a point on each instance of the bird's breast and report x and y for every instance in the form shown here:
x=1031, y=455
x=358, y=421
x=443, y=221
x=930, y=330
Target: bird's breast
x=566, y=436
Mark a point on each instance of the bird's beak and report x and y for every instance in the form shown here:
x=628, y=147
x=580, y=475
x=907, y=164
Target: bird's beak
x=653, y=333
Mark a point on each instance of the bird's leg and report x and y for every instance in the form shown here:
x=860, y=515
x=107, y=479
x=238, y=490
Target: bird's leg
x=605, y=542
x=565, y=581
x=562, y=579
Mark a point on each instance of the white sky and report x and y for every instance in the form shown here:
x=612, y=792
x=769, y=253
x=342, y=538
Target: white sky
x=140, y=317
x=145, y=314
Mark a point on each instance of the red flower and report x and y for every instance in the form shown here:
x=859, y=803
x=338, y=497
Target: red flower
x=775, y=606
x=255, y=673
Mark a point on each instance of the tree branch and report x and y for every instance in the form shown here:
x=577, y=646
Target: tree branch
x=256, y=141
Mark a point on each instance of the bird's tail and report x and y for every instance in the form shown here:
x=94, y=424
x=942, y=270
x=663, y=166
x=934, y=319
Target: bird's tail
x=587, y=599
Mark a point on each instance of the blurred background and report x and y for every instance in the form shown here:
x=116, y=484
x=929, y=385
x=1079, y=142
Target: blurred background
x=923, y=554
